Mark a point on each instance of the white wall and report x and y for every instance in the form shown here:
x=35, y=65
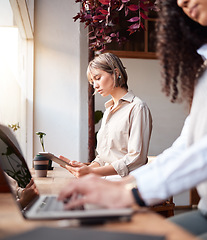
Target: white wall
x=6, y=14
x=58, y=98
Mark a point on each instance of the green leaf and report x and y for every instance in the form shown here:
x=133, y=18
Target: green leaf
x=98, y=116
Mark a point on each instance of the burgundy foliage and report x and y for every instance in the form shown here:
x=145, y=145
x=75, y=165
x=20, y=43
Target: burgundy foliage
x=103, y=17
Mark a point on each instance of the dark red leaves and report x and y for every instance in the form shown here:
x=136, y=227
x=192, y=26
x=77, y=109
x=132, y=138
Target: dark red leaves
x=134, y=26
x=133, y=7
x=134, y=19
x=113, y=35
x=103, y=18
x=98, y=17
x=143, y=15
x=104, y=2
x=103, y=11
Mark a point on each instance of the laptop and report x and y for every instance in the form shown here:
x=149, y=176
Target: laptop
x=16, y=172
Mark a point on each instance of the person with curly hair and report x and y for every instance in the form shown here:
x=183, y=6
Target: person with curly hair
x=182, y=50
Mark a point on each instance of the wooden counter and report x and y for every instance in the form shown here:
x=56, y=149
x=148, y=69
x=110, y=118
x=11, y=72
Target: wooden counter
x=12, y=222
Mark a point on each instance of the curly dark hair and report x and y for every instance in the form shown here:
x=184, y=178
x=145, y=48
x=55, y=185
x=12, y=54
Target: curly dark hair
x=178, y=38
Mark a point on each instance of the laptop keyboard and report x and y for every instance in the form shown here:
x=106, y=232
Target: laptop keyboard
x=50, y=203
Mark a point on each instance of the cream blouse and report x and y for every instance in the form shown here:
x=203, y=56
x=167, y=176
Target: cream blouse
x=124, y=136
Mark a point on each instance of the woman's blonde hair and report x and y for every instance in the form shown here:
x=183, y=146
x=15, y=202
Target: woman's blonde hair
x=111, y=64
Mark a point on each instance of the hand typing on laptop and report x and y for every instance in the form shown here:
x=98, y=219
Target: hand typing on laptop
x=74, y=197
x=29, y=193
x=23, y=195
x=96, y=193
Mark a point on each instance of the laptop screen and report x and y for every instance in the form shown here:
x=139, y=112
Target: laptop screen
x=12, y=162
x=15, y=168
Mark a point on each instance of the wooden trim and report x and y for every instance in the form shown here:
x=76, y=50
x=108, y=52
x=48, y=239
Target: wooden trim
x=146, y=47
x=132, y=54
x=22, y=18
x=166, y=209
x=91, y=111
x=183, y=207
x=194, y=197
x=91, y=124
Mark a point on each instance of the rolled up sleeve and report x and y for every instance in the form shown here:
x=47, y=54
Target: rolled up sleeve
x=99, y=161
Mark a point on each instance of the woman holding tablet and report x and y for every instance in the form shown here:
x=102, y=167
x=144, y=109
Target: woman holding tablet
x=123, y=139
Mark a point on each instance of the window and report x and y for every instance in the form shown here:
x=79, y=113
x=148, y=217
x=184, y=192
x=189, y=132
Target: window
x=140, y=44
x=16, y=70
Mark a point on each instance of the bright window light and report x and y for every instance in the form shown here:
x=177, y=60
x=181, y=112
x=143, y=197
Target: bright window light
x=8, y=51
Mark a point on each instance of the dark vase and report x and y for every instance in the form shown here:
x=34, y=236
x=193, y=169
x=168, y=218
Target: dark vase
x=49, y=161
x=40, y=165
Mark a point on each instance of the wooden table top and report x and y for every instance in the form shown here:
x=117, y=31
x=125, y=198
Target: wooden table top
x=12, y=222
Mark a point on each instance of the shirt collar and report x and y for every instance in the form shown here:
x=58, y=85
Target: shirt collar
x=129, y=96
x=203, y=51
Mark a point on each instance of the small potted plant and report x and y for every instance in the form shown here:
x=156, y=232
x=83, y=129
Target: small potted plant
x=41, y=137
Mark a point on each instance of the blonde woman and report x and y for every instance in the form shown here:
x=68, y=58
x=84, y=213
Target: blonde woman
x=123, y=139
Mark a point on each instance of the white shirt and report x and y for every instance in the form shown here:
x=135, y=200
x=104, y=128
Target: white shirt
x=184, y=164
x=124, y=136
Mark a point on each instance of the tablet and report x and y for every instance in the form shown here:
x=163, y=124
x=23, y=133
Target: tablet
x=52, y=157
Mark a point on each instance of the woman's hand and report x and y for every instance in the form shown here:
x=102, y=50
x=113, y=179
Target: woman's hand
x=72, y=163
x=28, y=194
x=79, y=171
x=95, y=190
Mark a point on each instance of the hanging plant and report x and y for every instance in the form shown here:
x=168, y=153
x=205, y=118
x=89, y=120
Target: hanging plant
x=105, y=19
